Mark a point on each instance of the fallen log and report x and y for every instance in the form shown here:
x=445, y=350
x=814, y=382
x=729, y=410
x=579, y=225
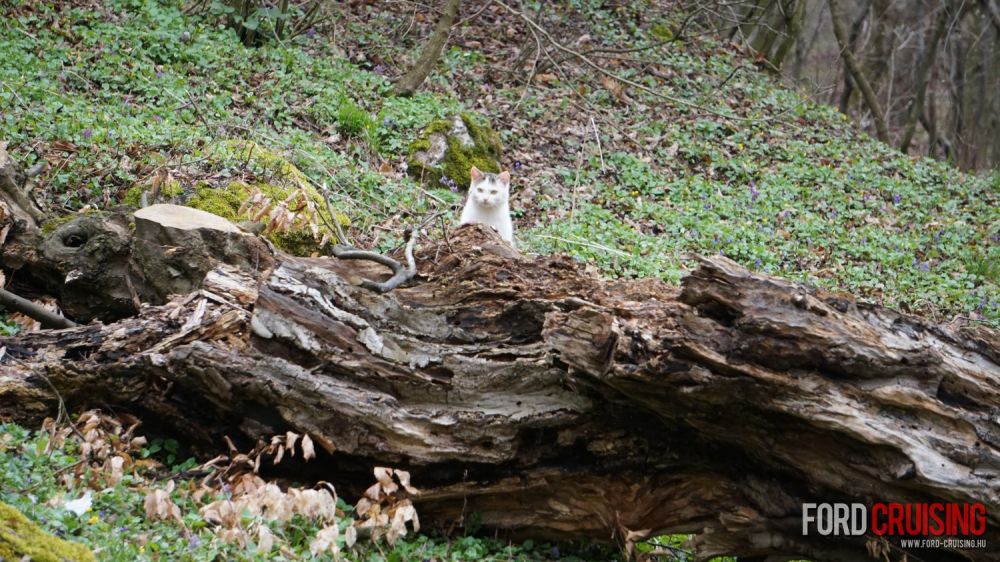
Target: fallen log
x=541, y=399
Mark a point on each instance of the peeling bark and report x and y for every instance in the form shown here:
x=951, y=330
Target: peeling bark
x=549, y=402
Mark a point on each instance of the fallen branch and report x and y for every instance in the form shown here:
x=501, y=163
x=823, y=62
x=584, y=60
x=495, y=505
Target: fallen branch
x=400, y=273
x=48, y=319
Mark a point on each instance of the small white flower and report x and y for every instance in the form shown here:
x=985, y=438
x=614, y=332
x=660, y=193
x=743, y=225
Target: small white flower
x=81, y=505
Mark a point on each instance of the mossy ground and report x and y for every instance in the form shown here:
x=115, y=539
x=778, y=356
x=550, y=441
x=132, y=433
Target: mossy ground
x=20, y=538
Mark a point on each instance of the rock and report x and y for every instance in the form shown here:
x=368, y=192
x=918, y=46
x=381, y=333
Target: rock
x=448, y=148
x=20, y=539
x=175, y=247
x=275, y=182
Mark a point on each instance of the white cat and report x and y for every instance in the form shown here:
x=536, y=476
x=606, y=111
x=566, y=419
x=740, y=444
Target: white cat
x=489, y=202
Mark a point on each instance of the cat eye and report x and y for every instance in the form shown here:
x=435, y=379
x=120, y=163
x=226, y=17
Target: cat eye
x=494, y=192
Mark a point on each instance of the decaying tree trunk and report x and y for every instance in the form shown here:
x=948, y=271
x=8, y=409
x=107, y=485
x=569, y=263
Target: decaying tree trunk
x=546, y=401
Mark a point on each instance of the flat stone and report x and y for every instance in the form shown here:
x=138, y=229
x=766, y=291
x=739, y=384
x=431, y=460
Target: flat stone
x=184, y=218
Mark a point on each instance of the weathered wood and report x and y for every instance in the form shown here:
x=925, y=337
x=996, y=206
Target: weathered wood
x=13, y=195
x=549, y=402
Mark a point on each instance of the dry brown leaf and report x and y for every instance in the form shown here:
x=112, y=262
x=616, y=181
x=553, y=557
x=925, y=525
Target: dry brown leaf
x=265, y=540
x=545, y=78
x=325, y=541
x=159, y=506
x=291, y=438
x=308, y=451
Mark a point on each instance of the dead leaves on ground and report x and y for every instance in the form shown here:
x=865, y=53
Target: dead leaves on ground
x=238, y=505
x=297, y=211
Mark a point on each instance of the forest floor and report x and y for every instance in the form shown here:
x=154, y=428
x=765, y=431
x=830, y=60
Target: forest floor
x=634, y=143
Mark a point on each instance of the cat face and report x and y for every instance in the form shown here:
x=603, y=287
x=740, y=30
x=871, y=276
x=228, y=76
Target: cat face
x=489, y=190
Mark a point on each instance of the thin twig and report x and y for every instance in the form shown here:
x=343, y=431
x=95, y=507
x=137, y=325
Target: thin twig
x=597, y=137
x=475, y=15
x=531, y=23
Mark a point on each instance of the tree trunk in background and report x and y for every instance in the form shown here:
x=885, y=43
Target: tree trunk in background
x=771, y=27
x=795, y=13
x=858, y=76
x=409, y=83
x=856, y=25
x=546, y=401
x=923, y=75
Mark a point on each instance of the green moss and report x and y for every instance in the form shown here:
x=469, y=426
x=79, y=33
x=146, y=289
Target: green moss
x=50, y=225
x=458, y=160
x=20, y=538
x=168, y=191
x=271, y=166
x=226, y=202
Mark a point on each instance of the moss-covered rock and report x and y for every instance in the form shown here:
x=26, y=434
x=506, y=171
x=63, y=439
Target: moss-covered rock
x=274, y=181
x=228, y=201
x=20, y=539
x=447, y=149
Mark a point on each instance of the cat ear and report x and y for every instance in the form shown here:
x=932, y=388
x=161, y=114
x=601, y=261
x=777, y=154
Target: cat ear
x=505, y=178
x=475, y=174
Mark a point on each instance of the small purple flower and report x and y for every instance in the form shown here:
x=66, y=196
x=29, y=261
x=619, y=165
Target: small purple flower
x=193, y=542
x=897, y=198
x=311, y=32
x=159, y=73
x=517, y=165
x=753, y=192
x=937, y=236
x=388, y=122
x=925, y=267
x=449, y=183
x=379, y=69
x=995, y=237
x=87, y=133
x=758, y=263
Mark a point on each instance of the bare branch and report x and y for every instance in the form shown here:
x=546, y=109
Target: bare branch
x=400, y=274
x=48, y=319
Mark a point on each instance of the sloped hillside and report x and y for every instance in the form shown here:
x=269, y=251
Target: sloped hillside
x=693, y=150
x=634, y=140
